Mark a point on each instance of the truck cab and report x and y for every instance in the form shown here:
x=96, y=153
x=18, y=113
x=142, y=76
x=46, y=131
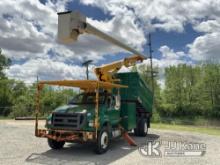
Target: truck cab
x=79, y=113
x=91, y=116
x=101, y=112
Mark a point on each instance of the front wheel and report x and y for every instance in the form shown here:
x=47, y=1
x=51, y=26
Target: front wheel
x=55, y=144
x=103, y=140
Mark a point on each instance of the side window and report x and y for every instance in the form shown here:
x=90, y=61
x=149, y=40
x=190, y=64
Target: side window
x=109, y=102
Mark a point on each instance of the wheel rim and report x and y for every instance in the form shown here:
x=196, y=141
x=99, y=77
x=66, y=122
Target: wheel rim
x=145, y=127
x=104, y=140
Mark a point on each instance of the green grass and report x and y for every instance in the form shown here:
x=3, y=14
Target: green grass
x=5, y=118
x=199, y=129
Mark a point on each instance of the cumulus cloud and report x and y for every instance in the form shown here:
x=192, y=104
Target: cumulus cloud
x=46, y=69
x=169, y=58
x=208, y=26
x=168, y=53
x=28, y=32
x=206, y=46
x=28, y=28
x=168, y=15
x=171, y=15
x=24, y=28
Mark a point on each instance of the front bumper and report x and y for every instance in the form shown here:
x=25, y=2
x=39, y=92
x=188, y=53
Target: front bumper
x=66, y=135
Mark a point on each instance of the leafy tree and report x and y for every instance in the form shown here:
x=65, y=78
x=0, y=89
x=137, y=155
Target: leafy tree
x=4, y=63
x=23, y=100
x=5, y=84
x=192, y=90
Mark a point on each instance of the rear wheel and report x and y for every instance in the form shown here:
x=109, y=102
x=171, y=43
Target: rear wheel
x=103, y=140
x=55, y=144
x=143, y=127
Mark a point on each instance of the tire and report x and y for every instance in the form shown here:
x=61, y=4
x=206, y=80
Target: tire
x=143, y=127
x=136, y=130
x=55, y=144
x=103, y=141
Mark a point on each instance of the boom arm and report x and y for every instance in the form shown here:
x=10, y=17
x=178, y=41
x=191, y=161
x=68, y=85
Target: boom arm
x=72, y=24
x=106, y=72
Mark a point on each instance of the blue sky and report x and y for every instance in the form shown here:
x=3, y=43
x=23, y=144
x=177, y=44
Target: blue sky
x=159, y=37
x=182, y=32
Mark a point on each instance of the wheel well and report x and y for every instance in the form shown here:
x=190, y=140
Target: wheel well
x=106, y=124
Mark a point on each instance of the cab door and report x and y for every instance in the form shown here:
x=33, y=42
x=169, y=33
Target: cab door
x=111, y=112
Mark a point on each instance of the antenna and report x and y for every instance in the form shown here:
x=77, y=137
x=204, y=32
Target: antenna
x=86, y=64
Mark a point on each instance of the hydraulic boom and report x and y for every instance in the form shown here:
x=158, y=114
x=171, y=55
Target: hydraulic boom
x=72, y=24
x=106, y=72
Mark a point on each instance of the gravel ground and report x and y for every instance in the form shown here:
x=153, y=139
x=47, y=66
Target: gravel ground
x=19, y=146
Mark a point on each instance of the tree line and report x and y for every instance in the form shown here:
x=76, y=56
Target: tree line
x=188, y=91
x=18, y=99
x=192, y=90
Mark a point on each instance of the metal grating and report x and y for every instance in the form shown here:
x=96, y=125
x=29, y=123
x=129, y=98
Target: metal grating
x=73, y=121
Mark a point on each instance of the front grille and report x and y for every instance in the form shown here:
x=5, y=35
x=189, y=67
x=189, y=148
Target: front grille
x=73, y=121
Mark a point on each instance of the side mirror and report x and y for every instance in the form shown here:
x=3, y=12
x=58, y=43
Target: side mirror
x=117, y=102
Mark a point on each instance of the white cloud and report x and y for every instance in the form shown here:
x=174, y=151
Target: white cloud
x=26, y=28
x=28, y=31
x=28, y=34
x=124, y=28
x=206, y=47
x=171, y=15
x=169, y=54
x=169, y=58
x=208, y=26
x=46, y=69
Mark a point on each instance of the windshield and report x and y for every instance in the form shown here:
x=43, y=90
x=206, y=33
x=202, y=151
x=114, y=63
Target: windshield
x=87, y=98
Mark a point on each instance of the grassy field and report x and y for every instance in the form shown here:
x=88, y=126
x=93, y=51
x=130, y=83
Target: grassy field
x=189, y=128
x=5, y=118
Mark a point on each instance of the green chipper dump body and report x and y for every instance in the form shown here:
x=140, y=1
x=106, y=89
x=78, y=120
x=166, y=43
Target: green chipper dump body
x=137, y=90
x=137, y=99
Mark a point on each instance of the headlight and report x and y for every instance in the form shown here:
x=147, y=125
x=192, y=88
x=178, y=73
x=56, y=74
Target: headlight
x=49, y=122
x=91, y=123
